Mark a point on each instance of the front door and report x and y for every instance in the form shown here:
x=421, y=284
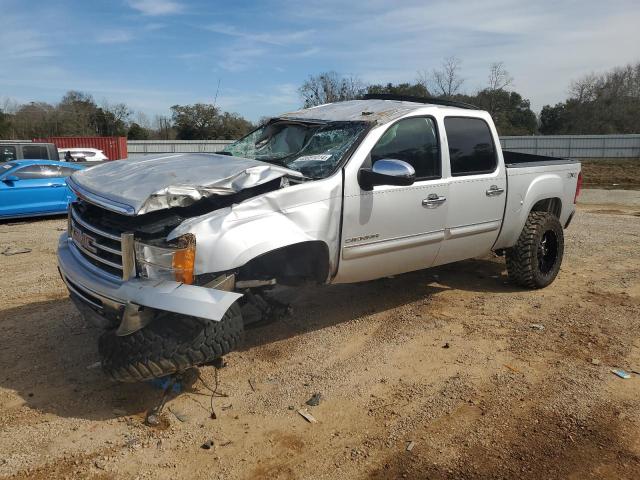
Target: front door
x=35, y=189
x=477, y=190
x=395, y=229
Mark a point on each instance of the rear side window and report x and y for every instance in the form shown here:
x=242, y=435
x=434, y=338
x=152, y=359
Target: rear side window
x=413, y=140
x=35, y=152
x=7, y=153
x=471, y=148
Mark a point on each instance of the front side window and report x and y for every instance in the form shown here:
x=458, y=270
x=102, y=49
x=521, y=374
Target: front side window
x=315, y=150
x=7, y=153
x=415, y=141
x=35, y=152
x=33, y=172
x=471, y=149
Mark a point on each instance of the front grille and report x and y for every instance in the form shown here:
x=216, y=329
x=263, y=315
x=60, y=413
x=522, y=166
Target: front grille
x=99, y=246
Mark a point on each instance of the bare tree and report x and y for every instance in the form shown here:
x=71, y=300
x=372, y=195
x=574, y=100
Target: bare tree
x=330, y=87
x=499, y=78
x=447, y=81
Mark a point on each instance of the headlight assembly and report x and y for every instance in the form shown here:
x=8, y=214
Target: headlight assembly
x=168, y=263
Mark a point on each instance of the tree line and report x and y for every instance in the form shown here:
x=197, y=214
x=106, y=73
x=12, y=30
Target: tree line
x=78, y=114
x=604, y=103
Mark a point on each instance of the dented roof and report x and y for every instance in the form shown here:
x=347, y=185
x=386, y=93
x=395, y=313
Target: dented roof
x=375, y=111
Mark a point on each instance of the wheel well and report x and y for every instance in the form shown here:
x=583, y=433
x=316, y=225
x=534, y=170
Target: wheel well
x=290, y=265
x=551, y=205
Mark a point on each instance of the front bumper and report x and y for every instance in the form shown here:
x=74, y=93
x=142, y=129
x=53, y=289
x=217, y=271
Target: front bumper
x=115, y=299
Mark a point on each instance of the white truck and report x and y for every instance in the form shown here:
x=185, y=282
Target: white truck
x=167, y=253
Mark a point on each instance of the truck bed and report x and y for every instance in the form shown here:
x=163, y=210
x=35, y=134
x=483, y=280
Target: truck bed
x=520, y=160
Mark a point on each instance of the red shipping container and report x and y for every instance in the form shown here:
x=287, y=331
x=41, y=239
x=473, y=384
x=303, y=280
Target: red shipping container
x=115, y=148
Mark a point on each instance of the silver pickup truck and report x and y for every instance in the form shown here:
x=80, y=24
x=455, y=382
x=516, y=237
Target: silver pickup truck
x=169, y=253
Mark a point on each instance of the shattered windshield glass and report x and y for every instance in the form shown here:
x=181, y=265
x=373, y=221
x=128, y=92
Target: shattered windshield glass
x=315, y=150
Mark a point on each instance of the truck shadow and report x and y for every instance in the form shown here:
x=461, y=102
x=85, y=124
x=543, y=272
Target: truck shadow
x=49, y=354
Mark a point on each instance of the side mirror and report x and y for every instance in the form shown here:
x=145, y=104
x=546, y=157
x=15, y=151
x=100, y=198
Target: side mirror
x=10, y=179
x=387, y=172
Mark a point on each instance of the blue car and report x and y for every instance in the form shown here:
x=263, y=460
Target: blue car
x=30, y=188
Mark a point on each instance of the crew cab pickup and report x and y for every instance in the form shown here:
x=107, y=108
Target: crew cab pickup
x=169, y=253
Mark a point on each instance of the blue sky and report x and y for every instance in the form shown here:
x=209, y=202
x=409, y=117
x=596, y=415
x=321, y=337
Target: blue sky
x=152, y=54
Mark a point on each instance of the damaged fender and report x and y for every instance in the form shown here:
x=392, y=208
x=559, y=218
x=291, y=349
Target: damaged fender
x=228, y=238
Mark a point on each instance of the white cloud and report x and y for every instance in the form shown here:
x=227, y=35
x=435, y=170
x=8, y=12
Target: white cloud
x=114, y=36
x=273, y=38
x=156, y=7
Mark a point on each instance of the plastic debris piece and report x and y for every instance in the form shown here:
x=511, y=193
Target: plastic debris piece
x=314, y=401
x=513, y=369
x=167, y=382
x=446, y=345
x=307, y=416
x=208, y=445
x=537, y=326
x=410, y=446
x=595, y=361
x=620, y=373
x=253, y=389
x=14, y=251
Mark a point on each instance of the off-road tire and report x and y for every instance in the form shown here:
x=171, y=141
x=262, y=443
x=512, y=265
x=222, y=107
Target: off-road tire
x=169, y=344
x=527, y=262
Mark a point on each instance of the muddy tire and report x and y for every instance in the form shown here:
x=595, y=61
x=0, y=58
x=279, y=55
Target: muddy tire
x=170, y=344
x=535, y=259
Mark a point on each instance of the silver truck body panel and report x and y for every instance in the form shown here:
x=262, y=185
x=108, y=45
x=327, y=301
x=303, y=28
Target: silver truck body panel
x=230, y=237
x=374, y=111
x=527, y=186
x=153, y=183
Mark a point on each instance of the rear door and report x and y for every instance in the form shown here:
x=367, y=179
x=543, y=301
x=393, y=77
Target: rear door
x=395, y=229
x=476, y=189
x=37, y=189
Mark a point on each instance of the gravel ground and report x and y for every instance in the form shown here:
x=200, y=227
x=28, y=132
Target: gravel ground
x=482, y=379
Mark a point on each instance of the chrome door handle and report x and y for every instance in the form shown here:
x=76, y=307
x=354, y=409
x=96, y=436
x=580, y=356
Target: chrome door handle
x=433, y=200
x=494, y=190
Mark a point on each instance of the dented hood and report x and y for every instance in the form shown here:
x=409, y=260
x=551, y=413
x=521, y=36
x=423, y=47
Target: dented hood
x=151, y=183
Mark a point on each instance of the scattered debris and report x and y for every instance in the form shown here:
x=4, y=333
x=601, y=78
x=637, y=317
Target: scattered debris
x=208, y=445
x=595, y=361
x=620, y=373
x=224, y=444
x=636, y=371
x=446, y=345
x=94, y=365
x=410, y=445
x=7, y=252
x=100, y=464
x=513, y=369
x=314, y=401
x=537, y=326
x=227, y=407
x=253, y=389
x=291, y=407
x=153, y=420
x=307, y=416
x=178, y=414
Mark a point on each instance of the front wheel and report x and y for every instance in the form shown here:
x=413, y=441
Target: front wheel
x=534, y=261
x=169, y=344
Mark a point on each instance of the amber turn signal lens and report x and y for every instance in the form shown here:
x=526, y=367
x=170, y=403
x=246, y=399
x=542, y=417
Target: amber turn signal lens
x=184, y=260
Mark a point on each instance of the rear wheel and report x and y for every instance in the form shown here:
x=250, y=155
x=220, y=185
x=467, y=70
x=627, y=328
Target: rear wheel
x=169, y=344
x=534, y=261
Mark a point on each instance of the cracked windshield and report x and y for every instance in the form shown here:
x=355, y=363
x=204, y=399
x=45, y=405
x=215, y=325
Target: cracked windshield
x=312, y=149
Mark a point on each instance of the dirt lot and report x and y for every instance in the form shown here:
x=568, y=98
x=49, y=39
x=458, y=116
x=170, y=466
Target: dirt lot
x=452, y=359
x=612, y=173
